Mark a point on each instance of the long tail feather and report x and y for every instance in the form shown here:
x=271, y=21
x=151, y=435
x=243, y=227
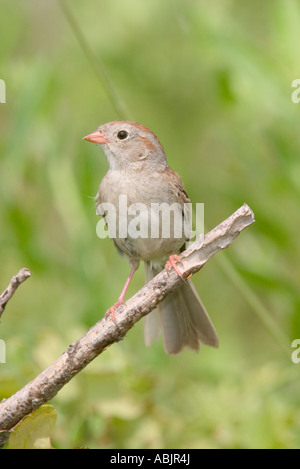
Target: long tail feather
x=181, y=317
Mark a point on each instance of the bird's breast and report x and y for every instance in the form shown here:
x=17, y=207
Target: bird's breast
x=143, y=218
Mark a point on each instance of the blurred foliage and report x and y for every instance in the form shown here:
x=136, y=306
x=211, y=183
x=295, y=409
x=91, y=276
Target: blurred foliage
x=33, y=432
x=213, y=81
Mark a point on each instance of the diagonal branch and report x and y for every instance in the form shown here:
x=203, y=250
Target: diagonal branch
x=106, y=331
x=14, y=283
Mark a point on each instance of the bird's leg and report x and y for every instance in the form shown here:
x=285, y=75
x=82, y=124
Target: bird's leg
x=111, y=310
x=171, y=262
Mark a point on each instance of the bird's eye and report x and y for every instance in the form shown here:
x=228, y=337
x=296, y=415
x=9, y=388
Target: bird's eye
x=122, y=134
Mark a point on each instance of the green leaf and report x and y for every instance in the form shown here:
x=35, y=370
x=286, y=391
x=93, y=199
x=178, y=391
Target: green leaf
x=33, y=432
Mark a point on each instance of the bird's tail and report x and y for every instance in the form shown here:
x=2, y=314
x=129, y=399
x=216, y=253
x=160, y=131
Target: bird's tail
x=181, y=317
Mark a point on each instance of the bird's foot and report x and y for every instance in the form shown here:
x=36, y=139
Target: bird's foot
x=171, y=262
x=110, y=313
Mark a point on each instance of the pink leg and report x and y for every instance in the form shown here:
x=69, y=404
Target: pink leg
x=171, y=262
x=123, y=293
x=111, y=310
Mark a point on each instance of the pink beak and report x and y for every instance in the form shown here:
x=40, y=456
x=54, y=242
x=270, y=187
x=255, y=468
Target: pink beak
x=96, y=137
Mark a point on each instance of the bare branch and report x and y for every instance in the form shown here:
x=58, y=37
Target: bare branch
x=14, y=283
x=105, y=332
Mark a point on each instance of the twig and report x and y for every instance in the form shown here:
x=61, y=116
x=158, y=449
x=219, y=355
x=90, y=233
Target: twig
x=14, y=283
x=106, y=331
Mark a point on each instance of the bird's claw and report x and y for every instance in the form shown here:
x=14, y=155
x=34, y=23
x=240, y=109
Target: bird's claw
x=110, y=313
x=171, y=262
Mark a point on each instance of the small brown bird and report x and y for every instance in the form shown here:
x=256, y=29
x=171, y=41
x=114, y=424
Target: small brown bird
x=140, y=180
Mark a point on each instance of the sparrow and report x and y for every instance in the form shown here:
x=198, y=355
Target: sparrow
x=139, y=176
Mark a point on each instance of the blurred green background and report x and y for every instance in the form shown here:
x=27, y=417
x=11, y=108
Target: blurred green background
x=213, y=81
